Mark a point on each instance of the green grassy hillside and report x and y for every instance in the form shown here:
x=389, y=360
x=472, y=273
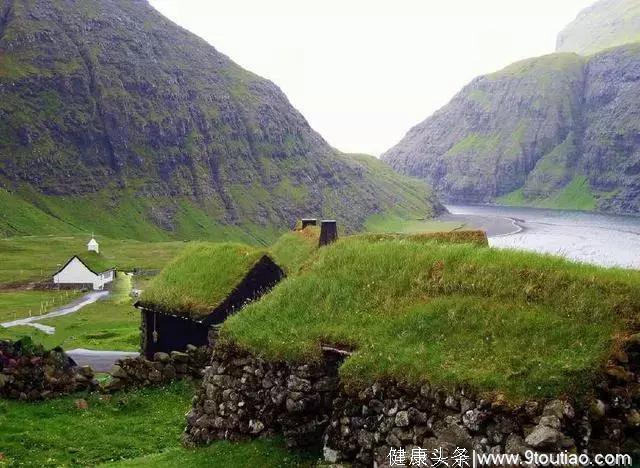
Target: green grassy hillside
x=113, y=119
x=36, y=258
x=523, y=324
x=577, y=195
x=554, y=131
x=122, y=215
x=605, y=24
x=109, y=324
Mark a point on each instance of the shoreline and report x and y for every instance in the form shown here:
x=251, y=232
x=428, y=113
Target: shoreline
x=516, y=224
x=494, y=226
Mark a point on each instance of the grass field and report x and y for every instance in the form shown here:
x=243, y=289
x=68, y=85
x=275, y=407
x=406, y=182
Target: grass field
x=35, y=258
x=577, y=195
x=110, y=324
x=523, y=324
x=258, y=453
x=132, y=429
x=16, y=304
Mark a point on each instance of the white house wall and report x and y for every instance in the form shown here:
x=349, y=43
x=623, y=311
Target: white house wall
x=107, y=276
x=76, y=273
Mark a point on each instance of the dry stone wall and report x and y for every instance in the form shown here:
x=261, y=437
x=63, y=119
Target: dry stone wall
x=29, y=372
x=164, y=368
x=244, y=396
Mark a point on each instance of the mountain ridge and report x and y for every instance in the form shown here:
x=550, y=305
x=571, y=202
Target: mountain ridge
x=557, y=131
x=603, y=25
x=110, y=103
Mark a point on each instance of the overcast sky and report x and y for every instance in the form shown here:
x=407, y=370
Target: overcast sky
x=365, y=71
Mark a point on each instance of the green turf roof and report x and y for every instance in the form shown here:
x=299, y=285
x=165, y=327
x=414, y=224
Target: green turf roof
x=518, y=323
x=463, y=236
x=200, y=278
x=96, y=262
x=293, y=249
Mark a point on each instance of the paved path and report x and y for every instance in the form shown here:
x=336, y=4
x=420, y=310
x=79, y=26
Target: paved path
x=100, y=361
x=70, y=308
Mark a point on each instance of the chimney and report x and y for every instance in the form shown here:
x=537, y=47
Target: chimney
x=309, y=222
x=328, y=232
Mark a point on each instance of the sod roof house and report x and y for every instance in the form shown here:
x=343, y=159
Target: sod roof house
x=199, y=290
x=488, y=347
x=89, y=271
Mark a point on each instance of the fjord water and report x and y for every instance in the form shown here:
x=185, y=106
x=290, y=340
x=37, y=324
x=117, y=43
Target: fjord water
x=602, y=239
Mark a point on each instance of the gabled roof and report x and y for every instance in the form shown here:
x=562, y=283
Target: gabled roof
x=293, y=249
x=95, y=263
x=92, y=242
x=196, y=282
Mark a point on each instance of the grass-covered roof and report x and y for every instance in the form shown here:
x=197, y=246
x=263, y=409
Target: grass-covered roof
x=96, y=262
x=522, y=324
x=200, y=278
x=295, y=248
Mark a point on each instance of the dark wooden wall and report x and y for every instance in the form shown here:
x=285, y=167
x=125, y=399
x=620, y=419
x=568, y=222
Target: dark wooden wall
x=174, y=333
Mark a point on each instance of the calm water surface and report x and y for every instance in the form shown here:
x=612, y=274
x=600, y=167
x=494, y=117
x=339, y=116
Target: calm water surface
x=607, y=240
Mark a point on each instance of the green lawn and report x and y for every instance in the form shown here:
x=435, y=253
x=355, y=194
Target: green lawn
x=35, y=258
x=16, y=304
x=523, y=324
x=258, y=453
x=110, y=324
x=142, y=426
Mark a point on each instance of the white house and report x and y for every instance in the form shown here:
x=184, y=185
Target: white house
x=76, y=272
x=93, y=246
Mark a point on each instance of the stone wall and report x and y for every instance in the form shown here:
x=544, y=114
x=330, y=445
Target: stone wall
x=243, y=396
x=162, y=369
x=365, y=426
x=49, y=285
x=29, y=372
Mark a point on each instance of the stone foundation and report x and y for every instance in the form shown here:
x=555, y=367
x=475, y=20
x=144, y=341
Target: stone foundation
x=29, y=372
x=164, y=368
x=365, y=426
x=243, y=396
x=49, y=285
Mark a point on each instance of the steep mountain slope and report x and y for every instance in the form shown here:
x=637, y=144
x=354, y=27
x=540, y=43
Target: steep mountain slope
x=605, y=24
x=114, y=119
x=560, y=131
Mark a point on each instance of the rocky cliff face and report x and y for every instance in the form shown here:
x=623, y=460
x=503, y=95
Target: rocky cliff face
x=106, y=107
x=605, y=24
x=558, y=131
